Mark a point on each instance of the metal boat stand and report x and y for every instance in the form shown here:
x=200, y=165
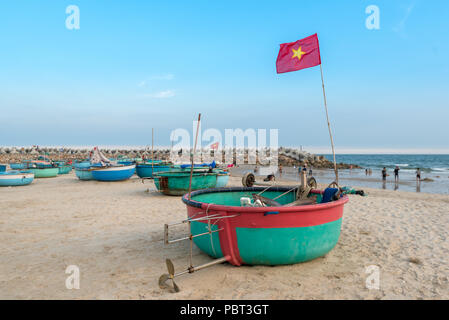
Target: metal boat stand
x=170, y=267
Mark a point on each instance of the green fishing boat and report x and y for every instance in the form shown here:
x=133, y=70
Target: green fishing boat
x=176, y=183
x=44, y=172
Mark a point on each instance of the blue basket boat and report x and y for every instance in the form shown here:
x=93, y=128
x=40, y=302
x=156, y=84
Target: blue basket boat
x=82, y=165
x=222, y=178
x=113, y=173
x=15, y=178
x=146, y=170
x=17, y=166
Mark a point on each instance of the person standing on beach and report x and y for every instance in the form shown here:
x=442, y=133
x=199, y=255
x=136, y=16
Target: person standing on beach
x=418, y=175
x=396, y=174
x=384, y=174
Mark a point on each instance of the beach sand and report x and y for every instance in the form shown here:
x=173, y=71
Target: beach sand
x=113, y=232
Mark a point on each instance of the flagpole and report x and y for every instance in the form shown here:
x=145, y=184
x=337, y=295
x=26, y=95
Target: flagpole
x=152, y=151
x=329, y=125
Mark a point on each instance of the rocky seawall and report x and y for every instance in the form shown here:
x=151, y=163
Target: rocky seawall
x=286, y=156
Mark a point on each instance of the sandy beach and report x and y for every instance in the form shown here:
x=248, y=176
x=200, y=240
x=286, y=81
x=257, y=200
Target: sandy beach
x=113, y=232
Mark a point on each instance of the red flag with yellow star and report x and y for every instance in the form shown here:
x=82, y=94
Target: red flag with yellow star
x=294, y=56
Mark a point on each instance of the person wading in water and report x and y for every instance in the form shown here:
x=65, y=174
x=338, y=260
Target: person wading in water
x=396, y=174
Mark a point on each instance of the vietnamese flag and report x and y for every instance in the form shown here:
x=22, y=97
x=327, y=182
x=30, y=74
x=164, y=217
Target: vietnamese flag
x=214, y=146
x=301, y=54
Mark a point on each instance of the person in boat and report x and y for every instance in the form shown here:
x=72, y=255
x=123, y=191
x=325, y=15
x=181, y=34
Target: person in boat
x=384, y=174
x=396, y=174
x=418, y=175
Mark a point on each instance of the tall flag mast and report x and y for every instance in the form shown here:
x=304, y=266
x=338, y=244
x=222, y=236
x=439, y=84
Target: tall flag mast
x=302, y=54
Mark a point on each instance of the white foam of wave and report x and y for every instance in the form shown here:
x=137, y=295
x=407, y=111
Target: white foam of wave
x=440, y=169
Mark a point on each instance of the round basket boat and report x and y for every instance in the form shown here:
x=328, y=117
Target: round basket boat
x=17, y=166
x=222, y=178
x=146, y=170
x=82, y=165
x=84, y=173
x=263, y=235
x=64, y=169
x=113, y=173
x=44, y=172
x=15, y=178
x=176, y=183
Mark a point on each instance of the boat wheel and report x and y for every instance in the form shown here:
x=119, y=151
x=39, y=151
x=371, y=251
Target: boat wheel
x=311, y=182
x=248, y=179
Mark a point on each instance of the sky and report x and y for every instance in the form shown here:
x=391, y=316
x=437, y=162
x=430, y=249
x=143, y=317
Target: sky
x=137, y=65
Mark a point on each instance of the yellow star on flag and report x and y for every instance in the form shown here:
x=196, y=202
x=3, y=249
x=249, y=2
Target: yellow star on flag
x=298, y=53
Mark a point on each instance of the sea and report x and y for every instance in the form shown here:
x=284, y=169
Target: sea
x=434, y=172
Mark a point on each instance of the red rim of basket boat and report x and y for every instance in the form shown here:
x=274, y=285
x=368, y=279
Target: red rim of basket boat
x=217, y=207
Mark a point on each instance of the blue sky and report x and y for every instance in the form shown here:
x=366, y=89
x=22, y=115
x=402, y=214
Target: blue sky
x=137, y=65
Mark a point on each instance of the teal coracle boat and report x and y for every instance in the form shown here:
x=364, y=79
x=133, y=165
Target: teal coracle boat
x=146, y=170
x=44, y=172
x=82, y=164
x=15, y=178
x=273, y=235
x=222, y=178
x=84, y=173
x=64, y=169
x=176, y=183
x=17, y=166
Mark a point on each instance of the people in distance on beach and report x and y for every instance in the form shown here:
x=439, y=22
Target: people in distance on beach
x=304, y=167
x=366, y=172
x=396, y=174
x=310, y=172
x=280, y=169
x=256, y=169
x=384, y=174
x=418, y=175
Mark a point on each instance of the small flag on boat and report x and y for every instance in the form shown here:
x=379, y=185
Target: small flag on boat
x=214, y=146
x=301, y=54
